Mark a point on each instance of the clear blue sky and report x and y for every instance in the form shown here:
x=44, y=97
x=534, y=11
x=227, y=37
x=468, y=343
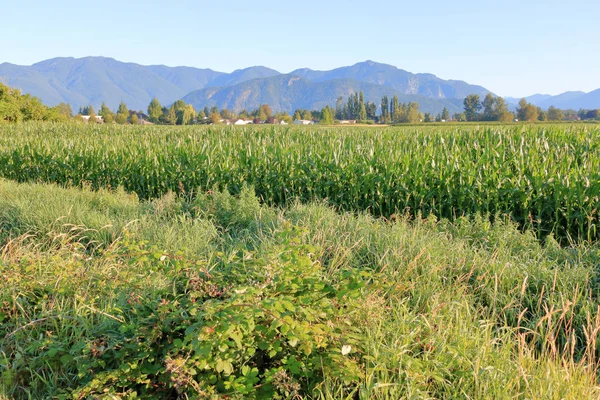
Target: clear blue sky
x=513, y=48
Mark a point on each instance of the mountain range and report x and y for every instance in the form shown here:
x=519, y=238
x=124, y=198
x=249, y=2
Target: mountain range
x=93, y=80
x=567, y=100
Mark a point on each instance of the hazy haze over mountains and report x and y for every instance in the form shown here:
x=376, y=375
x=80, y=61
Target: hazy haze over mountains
x=568, y=100
x=93, y=80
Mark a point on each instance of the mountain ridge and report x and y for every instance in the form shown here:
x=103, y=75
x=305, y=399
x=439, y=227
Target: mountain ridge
x=93, y=80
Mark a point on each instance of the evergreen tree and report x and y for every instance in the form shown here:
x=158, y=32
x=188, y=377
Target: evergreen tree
x=371, y=110
x=385, y=110
x=339, y=108
x=362, y=114
x=123, y=109
x=445, y=114
x=395, y=113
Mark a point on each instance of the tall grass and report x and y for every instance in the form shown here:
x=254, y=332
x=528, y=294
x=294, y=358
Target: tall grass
x=545, y=177
x=463, y=310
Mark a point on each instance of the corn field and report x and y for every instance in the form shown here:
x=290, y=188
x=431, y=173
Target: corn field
x=544, y=177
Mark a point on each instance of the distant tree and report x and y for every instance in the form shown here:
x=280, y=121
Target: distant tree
x=385, y=110
x=214, y=110
x=106, y=113
x=154, y=111
x=201, y=115
x=396, y=114
x=179, y=105
x=297, y=115
x=267, y=110
x=122, y=109
x=526, y=111
x=339, y=108
x=171, y=117
x=206, y=111
x=555, y=114
x=445, y=114
x=109, y=118
x=215, y=118
x=326, y=116
x=459, y=117
x=64, y=109
x=362, y=114
x=542, y=115
x=593, y=114
x=79, y=119
x=427, y=117
x=489, y=112
x=186, y=115
x=413, y=115
x=371, y=110
x=92, y=115
x=122, y=113
x=261, y=115
x=121, y=118
x=287, y=118
x=472, y=105
x=104, y=110
x=134, y=120
x=306, y=115
x=226, y=114
x=501, y=112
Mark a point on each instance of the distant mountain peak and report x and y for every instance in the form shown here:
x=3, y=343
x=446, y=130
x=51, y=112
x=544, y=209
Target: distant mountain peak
x=96, y=79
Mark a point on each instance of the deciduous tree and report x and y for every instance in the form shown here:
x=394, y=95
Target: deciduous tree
x=472, y=105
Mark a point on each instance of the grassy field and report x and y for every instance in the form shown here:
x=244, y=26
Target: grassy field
x=124, y=289
x=545, y=177
x=104, y=296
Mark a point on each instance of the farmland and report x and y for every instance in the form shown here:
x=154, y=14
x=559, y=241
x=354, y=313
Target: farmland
x=283, y=262
x=545, y=177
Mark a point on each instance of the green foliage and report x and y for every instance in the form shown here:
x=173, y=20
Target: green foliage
x=15, y=107
x=154, y=110
x=472, y=105
x=544, y=177
x=527, y=112
x=292, y=302
x=326, y=116
x=555, y=114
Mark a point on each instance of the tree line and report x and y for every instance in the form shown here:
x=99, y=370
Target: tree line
x=17, y=107
x=495, y=109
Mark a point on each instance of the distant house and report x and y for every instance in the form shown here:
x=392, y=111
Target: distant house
x=283, y=123
x=243, y=121
x=303, y=122
x=348, y=121
x=99, y=119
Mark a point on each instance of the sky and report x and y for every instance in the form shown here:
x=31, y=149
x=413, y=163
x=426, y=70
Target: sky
x=513, y=48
